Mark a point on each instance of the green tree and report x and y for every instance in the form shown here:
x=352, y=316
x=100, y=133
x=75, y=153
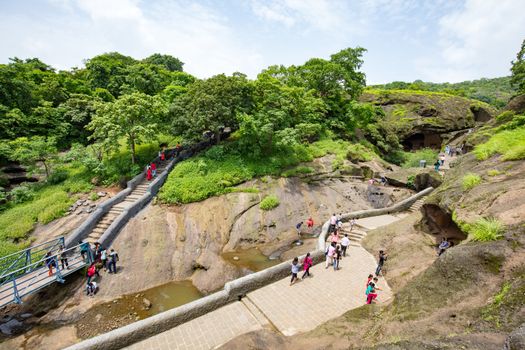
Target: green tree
x=32, y=150
x=78, y=111
x=168, y=62
x=136, y=117
x=108, y=71
x=210, y=105
x=518, y=70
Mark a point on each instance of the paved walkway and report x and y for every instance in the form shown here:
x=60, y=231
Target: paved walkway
x=287, y=309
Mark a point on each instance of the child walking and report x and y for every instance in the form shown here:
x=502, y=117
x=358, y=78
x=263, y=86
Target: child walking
x=295, y=270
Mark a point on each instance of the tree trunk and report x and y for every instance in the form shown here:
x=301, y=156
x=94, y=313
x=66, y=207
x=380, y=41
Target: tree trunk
x=132, y=147
x=217, y=137
x=45, y=167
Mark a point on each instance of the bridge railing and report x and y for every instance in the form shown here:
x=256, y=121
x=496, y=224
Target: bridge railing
x=25, y=257
x=16, y=283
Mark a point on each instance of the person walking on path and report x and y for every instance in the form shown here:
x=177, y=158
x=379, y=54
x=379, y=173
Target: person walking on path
x=345, y=242
x=352, y=224
x=436, y=165
x=370, y=278
x=333, y=223
x=329, y=254
x=162, y=155
x=113, y=258
x=63, y=258
x=442, y=159
x=307, y=263
x=149, y=174
x=334, y=237
x=295, y=270
x=443, y=246
x=381, y=261
x=337, y=257
x=153, y=169
x=50, y=262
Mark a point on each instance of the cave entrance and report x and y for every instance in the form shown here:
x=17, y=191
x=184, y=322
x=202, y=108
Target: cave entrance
x=439, y=223
x=422, y=140
x=480, y=114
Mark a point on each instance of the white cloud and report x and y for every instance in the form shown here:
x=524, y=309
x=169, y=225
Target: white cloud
x=80, y=29
x=324, y=15
x=480, y=38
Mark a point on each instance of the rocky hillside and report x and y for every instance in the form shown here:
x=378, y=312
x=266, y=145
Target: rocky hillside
x=427, y=119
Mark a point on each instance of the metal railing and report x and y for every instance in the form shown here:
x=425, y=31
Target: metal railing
x=31, y=277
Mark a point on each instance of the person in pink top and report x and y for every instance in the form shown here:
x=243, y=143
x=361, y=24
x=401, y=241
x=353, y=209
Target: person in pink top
x=334, y=237
x=307, y=263
x=330, y=251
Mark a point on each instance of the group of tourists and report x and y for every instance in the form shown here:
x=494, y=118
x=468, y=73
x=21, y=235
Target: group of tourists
x=334, y=253
x=99, y=258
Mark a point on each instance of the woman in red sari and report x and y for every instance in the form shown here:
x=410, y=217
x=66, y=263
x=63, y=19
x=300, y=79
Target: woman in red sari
x=149, y=174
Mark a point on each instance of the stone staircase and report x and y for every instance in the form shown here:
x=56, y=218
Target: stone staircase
x=416, y=206
x=119, y=208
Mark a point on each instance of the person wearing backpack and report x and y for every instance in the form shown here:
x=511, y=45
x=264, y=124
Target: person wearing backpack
x=91, y=271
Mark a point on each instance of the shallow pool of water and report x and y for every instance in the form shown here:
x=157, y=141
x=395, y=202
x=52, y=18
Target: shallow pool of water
x=170, y=295
x=252, y=259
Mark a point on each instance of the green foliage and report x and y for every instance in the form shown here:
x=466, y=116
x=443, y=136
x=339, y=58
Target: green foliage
x=509, y=143
x=269, y=202
x=485, y=230
x=496, y=91
x=518, y=70
x=492, y=311
x=411, y=159
x=21, y=194
x=470, y=181
x=410, y=180
x=300, y=170
x=31, y=150
x=136, y=117
x=493, y=172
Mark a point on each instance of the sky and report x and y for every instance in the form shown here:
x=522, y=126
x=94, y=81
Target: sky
x=431, y=40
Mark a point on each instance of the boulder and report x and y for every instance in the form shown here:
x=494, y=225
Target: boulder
x=516, y=339
x=147, y=304
x=102, y=194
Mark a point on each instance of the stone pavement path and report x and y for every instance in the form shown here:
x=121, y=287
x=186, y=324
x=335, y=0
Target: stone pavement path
x=287, y=309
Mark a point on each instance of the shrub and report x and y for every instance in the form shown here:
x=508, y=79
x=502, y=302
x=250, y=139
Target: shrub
x=493, y=172
x=269, y=202
x=485, y=230
x=93, y=196
x=21, y=194
x=470, y=181
x=509, y=143
x=57, y=176
x=411, y=159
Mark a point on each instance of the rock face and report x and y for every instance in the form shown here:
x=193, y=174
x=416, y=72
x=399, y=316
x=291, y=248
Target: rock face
x=425, y=119
x=516, y=339
x=517, y=104
x=166, y=243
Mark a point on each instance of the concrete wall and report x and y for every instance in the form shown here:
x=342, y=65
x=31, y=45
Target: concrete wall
x=164, y=321
x=400, y=206
x=232, y=291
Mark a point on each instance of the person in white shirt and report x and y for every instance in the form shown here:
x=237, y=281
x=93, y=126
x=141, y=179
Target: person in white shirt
x=345, y=242
x=333, y=223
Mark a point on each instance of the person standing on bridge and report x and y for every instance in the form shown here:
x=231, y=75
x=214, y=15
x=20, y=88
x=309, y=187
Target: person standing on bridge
x=63, y=257
x=50, y=261
x=113, y=258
